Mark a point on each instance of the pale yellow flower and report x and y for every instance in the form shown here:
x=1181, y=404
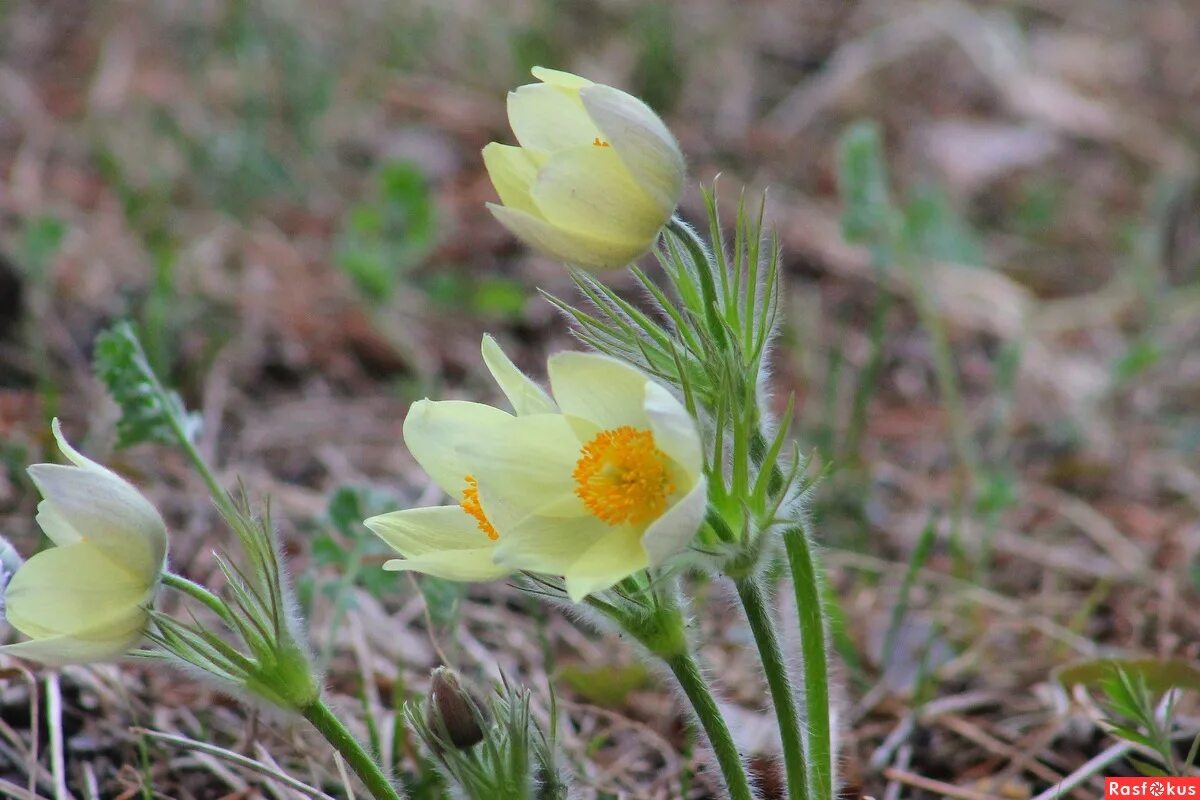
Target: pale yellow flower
x=457, y=542
x=601, y=482
x=596, y=177
x=87, y=598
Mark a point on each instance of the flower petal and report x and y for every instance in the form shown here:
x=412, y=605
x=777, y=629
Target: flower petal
x=64, y=590
x=430, y=529
x=599, y=389
x=513, y=171
x=106, y=511
x=574, y=248
x=671, y=533
x=547, y=544
x=447, y=437
x=74, y=456
x=642, y=142
x=56, y=651
x=56, y=528
x=612, y=558
x=443, y=541
x=10, y=562
x=525, y=395
x=528, y=459
x=547, y=118
x=464, y=566
x=533, y=475
x=674, y=429
x=555, y=77
x=589, y=191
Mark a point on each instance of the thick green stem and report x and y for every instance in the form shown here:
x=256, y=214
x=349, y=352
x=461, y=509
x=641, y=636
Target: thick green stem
x=339, y=736
x=811, y=612
x=687, y=672
x=765, y=636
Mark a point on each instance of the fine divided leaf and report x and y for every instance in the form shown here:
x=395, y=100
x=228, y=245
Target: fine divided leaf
x=149, y=412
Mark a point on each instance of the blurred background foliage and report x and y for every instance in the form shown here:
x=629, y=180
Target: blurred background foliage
x=991, y=228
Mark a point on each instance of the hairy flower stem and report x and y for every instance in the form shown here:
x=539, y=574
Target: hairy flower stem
x=687, y=672
x=660, y=627
x=219, y=495
x=197, y=592
x=339, y=736
x=810, y=609
x=758, y=613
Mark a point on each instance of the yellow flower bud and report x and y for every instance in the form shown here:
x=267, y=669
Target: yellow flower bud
x=87, y=598
x=596, y=177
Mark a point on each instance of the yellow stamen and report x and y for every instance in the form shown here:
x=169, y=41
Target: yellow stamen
x=470, y=504
x=598, y=142
x=622, y=477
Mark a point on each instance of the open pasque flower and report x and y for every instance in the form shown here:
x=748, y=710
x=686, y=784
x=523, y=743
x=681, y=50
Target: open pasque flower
x=86, y=599
x=596, y=177
x=601, y=481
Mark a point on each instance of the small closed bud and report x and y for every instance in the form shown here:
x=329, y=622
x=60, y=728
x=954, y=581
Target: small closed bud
x=453, y=711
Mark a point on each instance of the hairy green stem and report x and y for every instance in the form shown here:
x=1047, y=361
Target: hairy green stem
x=339, y=736
x=687, y=672
x=219, y=495
x=811, y=612
x=660, y=626
x=198, y=592
x=758, y=614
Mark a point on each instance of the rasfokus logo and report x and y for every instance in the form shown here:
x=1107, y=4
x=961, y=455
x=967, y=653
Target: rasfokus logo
x=1152, y=788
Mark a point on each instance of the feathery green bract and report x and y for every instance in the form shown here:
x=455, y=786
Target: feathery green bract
x=685, y=339
x=707, y=332
x=149, y=412
x=1138, y=698
x=273, y=660
x=1138, y=715
x=516, y=758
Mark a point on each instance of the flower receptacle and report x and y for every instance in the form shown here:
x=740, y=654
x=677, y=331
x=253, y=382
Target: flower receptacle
x=286, y=680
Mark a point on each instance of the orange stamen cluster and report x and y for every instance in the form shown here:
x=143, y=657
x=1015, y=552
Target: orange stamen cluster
x=470, y=504
x=598, y=142
x=622, y=477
